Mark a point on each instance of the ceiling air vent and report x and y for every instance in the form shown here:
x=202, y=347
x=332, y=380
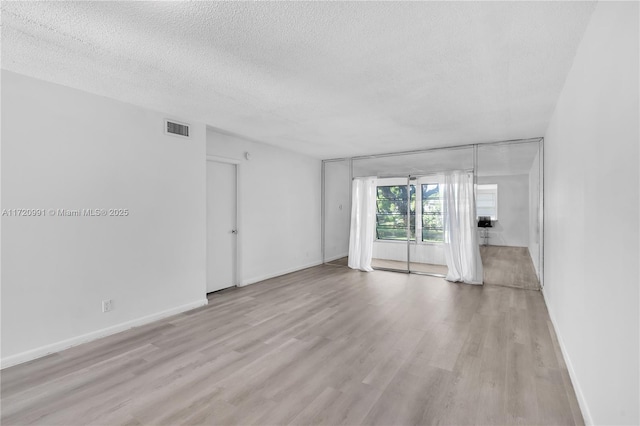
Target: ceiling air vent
x=175, y=128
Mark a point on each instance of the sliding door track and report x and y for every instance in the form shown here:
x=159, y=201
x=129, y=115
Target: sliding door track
x=400, y=271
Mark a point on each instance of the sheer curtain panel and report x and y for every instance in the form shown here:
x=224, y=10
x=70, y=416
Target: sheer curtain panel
x=363, y=223
x=461, y=247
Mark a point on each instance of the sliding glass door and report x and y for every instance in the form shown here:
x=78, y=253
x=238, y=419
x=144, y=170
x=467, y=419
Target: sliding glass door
x=395, y=223
x=409, y=225
x=409, y=228
x=426, y=254
x=409, y=233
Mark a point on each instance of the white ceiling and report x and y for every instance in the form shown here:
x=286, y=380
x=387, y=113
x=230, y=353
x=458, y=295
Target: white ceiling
x=328, y=79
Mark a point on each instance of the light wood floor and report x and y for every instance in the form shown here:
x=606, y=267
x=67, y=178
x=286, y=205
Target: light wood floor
x=327, y=345
x=509, y=266
x=395, y=264
x=503, y=266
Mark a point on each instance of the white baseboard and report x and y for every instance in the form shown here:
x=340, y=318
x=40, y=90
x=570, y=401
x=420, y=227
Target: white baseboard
x=331, y=259
x=88, y=337
x=582, y=402
x=257, y=279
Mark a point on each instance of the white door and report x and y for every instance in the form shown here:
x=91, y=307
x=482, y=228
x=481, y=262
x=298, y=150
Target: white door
x=221, y=225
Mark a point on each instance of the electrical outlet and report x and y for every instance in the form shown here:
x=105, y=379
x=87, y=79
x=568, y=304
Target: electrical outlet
x=107, y=305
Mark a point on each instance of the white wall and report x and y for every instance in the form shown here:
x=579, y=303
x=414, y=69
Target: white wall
x=279, y=217
x=591, y=187
x=534, y=213
x=337, y=217
x=512, y=227
x=67, y=149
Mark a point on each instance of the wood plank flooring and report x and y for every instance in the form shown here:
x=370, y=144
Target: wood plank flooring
x=327, y=345
x=396, y=264
x=509, y=266
x=503, y=266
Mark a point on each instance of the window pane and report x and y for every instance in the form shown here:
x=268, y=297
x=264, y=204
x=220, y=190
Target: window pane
x=392, y=204
x=487, y=201
x=486, y=211
x=398, y=221
x=432, y=226
x=432, y=235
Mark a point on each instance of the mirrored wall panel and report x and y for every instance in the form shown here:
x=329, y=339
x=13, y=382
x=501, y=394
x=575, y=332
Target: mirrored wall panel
x=409, y=226
x=415, y=163
x=508, y=199
x=337, y=188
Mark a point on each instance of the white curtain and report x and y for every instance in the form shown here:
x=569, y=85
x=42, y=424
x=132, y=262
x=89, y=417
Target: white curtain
x=363, y=222
x=461, y=247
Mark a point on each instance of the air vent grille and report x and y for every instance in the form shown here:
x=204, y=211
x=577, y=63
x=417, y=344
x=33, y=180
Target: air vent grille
x=177, y=128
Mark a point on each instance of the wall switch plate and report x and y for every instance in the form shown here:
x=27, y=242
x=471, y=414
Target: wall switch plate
x=107, y=305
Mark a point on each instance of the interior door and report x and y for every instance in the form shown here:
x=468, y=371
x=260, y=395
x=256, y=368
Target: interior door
x=221, y=225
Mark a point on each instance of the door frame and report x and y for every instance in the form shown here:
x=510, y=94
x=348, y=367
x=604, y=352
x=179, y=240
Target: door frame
x=238, y=261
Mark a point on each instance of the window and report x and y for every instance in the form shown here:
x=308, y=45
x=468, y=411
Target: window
x=487, y=201
x=432, y=227
x=391, y=217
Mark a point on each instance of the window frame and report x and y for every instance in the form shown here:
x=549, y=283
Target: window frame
x=418, y=213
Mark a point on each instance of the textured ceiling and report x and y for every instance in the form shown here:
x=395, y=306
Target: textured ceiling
x=328, y=79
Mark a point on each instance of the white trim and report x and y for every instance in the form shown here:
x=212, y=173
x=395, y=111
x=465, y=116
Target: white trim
x=238, y=259
x=239, y=225
x=322, y=210
x=582, y=402
x=88, y=337
x=255, y=280
x=541, y=213
x=414, y=242
x=220, y=159
x=403, y=242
